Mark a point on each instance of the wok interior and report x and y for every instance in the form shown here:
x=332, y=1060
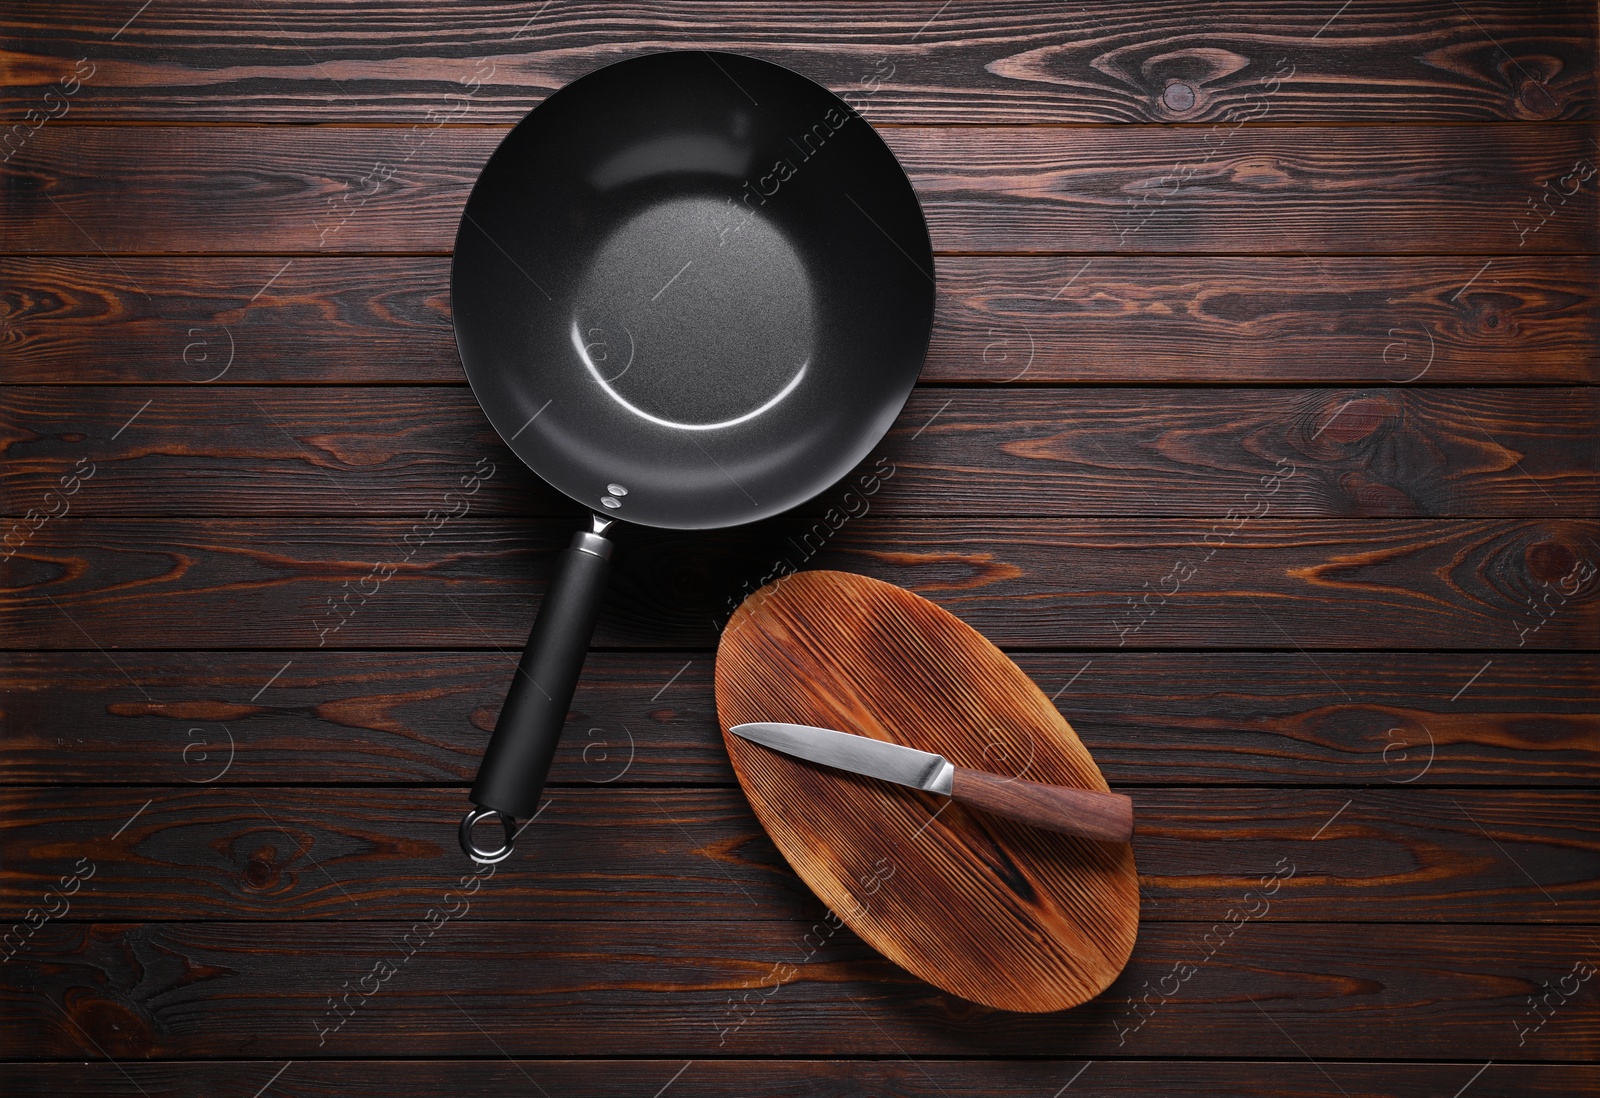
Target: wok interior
x=692, y=289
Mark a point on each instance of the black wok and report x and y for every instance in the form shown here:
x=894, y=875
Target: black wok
x=690, y=290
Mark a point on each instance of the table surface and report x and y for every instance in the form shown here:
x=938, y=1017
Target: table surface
x=1259, y=426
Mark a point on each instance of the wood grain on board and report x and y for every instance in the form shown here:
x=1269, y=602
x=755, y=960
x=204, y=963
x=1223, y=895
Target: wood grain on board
x=1481, y=585
x=754, y=987
x=206, y=450
x=1032, y=61
x=1383, y=720
x=1025, y=320
x=1524, y=188
x=987, y=907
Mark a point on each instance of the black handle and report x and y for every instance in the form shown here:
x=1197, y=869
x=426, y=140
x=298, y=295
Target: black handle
x=511, y=776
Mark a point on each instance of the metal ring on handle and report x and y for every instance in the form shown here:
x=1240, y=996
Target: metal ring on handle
x=471, y=849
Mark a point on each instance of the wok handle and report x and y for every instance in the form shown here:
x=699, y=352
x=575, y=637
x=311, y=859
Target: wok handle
x=1086, y=812
x=511, y=776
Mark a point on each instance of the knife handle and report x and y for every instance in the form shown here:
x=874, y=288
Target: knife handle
x=1086, y=812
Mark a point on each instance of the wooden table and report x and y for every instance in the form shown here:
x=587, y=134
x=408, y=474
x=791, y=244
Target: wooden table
x=1259, y=425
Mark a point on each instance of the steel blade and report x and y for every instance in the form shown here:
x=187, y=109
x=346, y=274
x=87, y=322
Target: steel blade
x=857, y=754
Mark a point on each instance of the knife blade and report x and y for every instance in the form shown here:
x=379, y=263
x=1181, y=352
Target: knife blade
x=1085, y=812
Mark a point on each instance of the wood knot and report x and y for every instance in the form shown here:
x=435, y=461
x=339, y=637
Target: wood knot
x=952, y=571
x=1178, y=98
x=1350, y=420
x=1538, y=100
x=689, y=581
x=1372, y=497
x=1550, y=561
x=262, y=869
x=113, y=1029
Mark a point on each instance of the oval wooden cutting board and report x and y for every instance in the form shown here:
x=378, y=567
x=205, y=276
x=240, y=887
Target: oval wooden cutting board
x=991, y=910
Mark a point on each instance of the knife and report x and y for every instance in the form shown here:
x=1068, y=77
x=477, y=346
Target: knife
x=1085, y=812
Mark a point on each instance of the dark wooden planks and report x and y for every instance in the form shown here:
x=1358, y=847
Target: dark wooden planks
x=909, y=62
x=1508, y=188
x=188, y=320
x=268, y=852
x=1404, y=319
x=1025, y=319
x=259, y=450
x=1383, y=720
x=369, y=717
x=1047, y=583
x=206, y=450
x=816, y=1078
x=637, y=989
x=1284, y=717
x=1421, y=190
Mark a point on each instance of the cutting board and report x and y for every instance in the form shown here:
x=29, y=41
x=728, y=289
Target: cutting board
x=985, y=908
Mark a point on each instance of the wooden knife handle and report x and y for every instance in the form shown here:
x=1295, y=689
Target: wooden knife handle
x=1086, y=812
